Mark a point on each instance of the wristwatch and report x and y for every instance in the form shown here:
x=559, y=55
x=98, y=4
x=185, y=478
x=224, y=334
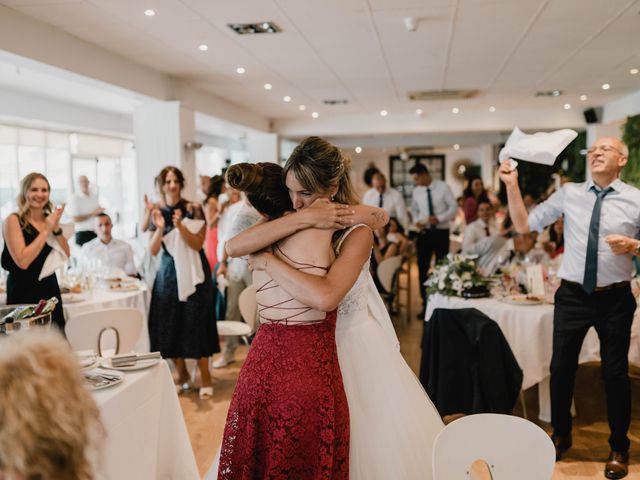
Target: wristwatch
x=57, y=232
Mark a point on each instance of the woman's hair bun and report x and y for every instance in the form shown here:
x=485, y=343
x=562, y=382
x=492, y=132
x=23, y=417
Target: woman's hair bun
x=245, y=177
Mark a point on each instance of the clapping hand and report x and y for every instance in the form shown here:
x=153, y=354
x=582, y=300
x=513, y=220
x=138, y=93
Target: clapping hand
x=148, y=204
x=177, y=218
x=158, y=219
x=53, y=219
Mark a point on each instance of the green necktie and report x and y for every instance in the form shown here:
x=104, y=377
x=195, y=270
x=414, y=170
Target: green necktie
x=591, y=264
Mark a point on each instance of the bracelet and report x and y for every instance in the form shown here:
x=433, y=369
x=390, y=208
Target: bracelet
x=57, y=232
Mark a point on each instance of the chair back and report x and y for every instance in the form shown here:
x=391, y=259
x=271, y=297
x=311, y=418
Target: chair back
x=248, y=306
x=86, y=331
x=387, y=270
x=511, y=446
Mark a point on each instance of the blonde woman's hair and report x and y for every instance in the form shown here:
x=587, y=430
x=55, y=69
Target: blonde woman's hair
x=23, y=205
x=48, y=419
x=321, y=167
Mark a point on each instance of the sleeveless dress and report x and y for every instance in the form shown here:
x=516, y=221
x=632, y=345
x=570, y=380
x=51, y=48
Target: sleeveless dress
x=393, y=421
x=288, y=417
x=23, y=286
x=181, y=329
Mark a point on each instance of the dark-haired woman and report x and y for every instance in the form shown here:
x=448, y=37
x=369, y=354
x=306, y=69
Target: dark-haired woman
x=181, y=329
x=473, y=195
x=288, y=417
x=26, y=248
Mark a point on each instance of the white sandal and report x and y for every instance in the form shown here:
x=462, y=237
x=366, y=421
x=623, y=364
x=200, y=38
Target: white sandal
x=205, y=393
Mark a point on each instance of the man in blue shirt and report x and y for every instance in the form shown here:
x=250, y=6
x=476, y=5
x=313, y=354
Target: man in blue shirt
x=602, y=219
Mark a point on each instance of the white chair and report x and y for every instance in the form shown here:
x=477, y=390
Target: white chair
x=511, y=446
x=248, y=310
x=387, y=270
x=87, y=330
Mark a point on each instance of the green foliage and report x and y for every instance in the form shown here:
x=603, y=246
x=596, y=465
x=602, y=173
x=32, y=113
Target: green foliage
x=631, y=136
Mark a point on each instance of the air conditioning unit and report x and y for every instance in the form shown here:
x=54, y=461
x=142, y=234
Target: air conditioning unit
x=431, y=95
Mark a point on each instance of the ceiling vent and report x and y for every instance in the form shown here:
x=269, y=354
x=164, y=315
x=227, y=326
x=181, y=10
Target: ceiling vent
x=251, y=28
x=431, y=95
x=335, y=101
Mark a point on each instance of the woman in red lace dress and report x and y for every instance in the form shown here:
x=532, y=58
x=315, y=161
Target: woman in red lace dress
x=288, y=417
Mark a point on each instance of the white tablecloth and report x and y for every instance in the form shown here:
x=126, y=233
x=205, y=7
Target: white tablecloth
x=146, y=434
x=529, y=332
x=100, y=299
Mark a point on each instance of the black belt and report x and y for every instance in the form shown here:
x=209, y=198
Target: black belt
x=611, y=286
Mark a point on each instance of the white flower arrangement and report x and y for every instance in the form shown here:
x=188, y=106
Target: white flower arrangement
x=455, y=276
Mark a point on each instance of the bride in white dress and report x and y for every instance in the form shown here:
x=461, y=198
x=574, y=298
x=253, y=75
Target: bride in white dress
x=392, y=421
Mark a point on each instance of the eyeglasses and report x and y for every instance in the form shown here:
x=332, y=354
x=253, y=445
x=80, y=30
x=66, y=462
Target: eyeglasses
x=604, y=148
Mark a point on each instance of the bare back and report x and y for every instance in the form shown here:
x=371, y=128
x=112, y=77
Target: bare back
x=309, y=250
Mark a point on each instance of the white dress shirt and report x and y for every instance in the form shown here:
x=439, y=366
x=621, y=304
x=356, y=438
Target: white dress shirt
x=475, y=232
x=444, y=205
x=620, y=214
x=247, y=216
x=392, y=203
x=116, y=254
x=81, y=204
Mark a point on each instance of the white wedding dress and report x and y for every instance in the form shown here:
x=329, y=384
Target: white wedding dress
x=392, y=421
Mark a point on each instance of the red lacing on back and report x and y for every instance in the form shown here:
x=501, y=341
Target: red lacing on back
x=299, y=310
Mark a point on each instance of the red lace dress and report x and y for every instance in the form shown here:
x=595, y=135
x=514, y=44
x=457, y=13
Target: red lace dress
x=288, y=417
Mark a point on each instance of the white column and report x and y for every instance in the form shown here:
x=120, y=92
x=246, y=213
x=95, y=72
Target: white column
x=161, y=130
x=263, y=147
x=488, y=165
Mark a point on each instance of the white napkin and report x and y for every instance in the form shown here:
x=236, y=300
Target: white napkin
x=541, y=147
x=57, y=257
x=189, y=271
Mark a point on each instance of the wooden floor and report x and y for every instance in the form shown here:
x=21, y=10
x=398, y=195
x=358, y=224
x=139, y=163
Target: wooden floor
x=205, y=419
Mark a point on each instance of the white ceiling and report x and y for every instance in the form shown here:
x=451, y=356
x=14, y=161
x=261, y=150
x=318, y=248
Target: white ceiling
x=360, y=50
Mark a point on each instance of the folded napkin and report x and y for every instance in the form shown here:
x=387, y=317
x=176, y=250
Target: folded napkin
x=57, y=257
x=541, y=147
x=126, y=359
x=189, y=272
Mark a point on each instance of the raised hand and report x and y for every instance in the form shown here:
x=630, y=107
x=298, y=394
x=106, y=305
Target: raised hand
x=508, y=175
x=177, y=217
x=158, y=218
x=325, y=214
x=53, y=219
x=148, y=204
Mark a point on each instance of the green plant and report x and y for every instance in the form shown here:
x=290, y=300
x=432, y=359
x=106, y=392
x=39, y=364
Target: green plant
x=631, y=136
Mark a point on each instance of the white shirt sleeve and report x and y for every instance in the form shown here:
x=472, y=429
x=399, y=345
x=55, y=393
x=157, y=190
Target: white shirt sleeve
x=452, y=205
x=548, y=211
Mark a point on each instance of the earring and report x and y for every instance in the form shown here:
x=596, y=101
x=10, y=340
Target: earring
x=332, y=197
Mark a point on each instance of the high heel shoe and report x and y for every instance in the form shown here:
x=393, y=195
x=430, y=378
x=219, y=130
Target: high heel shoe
x=205, y=393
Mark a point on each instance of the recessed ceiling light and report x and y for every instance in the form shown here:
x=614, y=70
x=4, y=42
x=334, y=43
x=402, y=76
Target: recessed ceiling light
x=286, y=98
x=302, y=108
x=418, y=111
x=315, y=114
x=606, y=86
x=149, y=12
x=268, y=86
x=455, y=110
x=358, y=149
x=567, y=106
x=203, y=47
x=240, y=70
x=556, y=93
x=634, y=71
x=456, y=146
x=383, y=113
x=492, y=109
x=583, y=98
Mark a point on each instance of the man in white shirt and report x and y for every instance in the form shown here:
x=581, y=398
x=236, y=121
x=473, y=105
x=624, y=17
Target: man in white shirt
x=602, y=221
x=112, y=253
x=82, y=207
x=387, y=198
x=433, y=207
x=483, y=238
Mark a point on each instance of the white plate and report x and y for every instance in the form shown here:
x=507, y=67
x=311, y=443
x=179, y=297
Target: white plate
x=522, y=299
x=72, y=298
x=124, y=287
x=139, y=365
x=88, y=359
x=118, y=377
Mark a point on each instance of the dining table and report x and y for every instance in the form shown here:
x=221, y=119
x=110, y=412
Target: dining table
x=528, y=329
x=146, y=435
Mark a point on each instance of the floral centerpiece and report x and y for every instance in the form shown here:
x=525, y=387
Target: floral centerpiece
x=457, y=275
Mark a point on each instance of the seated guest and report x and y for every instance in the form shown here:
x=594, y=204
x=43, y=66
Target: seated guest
x=484, y=239
x=114, y=254
x=473, y=195
x=49, y=425
x=525, y=249
x=395, y=234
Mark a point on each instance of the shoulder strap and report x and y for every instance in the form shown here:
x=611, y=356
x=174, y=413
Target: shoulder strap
x=345, y=234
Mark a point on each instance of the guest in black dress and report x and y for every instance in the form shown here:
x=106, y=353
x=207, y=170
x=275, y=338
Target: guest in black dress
x=25, y=249
x=178, y=329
